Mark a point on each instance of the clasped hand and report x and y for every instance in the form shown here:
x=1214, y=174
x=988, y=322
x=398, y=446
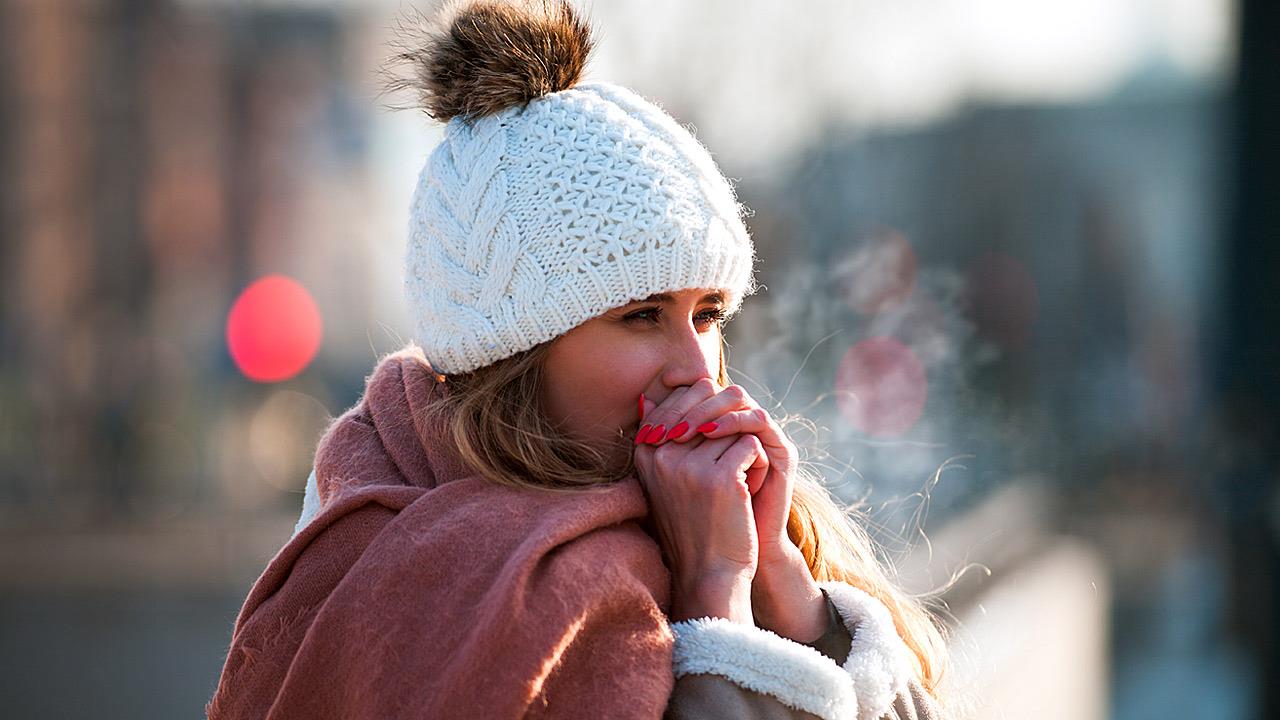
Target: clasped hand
x=719, y=474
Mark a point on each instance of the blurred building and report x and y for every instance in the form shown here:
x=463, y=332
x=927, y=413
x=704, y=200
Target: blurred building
x=158, y=159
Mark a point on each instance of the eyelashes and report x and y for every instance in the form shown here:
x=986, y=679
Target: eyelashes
x=715, y=316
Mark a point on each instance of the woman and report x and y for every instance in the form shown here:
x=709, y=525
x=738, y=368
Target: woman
x=557, y=504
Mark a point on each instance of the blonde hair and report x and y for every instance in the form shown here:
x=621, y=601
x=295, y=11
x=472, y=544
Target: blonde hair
x=496, y=419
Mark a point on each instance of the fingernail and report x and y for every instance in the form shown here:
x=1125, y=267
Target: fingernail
x=678, y=430
x=707, y=427
x=642, y=433
x=640, y=404
x=655, y=435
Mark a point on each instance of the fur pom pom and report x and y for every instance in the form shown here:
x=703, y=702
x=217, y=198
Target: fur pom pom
x=478, y=57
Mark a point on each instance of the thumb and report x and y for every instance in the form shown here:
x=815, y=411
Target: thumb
x=748, y=457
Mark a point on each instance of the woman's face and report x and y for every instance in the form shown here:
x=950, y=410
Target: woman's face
x=595, y=372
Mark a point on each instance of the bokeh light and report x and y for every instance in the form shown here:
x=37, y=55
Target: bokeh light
x=881, y=386
x=282, y=438
x=273, y=329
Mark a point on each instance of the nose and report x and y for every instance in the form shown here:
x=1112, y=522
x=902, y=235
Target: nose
x=690, y=356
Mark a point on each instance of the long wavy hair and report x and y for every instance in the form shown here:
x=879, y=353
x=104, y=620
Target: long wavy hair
x=497, y=419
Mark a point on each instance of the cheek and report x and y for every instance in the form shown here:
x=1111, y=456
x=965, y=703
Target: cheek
x=591, y=388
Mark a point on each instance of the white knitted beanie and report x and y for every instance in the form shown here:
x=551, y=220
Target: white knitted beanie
x=550, y=201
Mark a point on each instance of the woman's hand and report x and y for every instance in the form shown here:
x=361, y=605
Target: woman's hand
x=785, y=597
x=735, y=413
x=701, y=505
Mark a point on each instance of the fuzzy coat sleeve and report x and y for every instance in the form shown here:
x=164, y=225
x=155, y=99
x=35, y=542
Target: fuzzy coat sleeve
x=725, y=691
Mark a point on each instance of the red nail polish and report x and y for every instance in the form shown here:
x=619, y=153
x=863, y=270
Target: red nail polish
x=655, y=435
x=678, y=430
x=707, y=427
x=640, y=435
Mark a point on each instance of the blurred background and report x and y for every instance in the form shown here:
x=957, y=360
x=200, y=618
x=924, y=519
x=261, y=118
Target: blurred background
x=1018, y=260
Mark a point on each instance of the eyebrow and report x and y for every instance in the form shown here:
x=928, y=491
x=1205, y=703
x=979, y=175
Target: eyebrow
x=716, y=296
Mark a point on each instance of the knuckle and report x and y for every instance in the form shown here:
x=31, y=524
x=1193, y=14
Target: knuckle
x=662, y=466
x=666, y=457
x=704, y=386
x=760, y=414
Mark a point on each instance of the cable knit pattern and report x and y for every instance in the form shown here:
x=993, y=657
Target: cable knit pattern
x=528, y=222
x=878, y=662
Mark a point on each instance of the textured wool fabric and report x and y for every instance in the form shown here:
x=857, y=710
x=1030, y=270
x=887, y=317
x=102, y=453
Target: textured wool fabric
x=878, y=661
x=528, y=222
x=875, y=673
x=421, y=590
x=799, y=676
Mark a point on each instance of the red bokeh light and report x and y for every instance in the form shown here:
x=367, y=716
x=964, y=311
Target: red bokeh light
x=881, y=387
x=273, y=329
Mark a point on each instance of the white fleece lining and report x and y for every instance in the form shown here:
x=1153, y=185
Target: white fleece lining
x=797, y=675
x=878, y=662
x=310, y=503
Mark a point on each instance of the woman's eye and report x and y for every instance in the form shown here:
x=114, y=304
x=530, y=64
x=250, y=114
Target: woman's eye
x=652, y=314
x=713, y=316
